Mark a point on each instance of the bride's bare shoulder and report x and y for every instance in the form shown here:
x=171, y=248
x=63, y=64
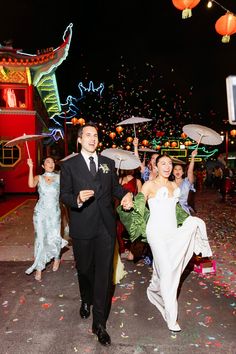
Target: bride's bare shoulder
x=173, y=185
x=148, y=184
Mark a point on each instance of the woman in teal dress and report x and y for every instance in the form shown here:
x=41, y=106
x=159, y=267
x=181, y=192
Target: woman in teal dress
x=46, y=218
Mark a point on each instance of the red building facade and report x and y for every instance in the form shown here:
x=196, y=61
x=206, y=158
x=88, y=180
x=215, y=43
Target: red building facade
x=28, y=99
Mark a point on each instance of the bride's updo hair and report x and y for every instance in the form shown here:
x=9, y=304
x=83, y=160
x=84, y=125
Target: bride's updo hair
x=159, y=157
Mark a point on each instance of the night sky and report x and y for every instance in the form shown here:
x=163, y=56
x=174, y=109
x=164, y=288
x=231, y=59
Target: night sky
x=188, y=54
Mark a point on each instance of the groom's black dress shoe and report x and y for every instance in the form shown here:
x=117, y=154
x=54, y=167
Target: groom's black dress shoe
x=85, y=310
x=103, y=336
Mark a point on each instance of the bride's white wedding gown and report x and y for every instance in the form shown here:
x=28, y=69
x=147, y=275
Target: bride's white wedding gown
x=172, y=249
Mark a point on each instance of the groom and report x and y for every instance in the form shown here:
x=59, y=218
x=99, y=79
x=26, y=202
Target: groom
x=88, y=185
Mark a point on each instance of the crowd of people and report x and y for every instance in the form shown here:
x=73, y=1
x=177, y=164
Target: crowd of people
x=88, y=186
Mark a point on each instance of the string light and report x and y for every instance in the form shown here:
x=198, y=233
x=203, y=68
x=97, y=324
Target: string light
x=225, y=25
x=210, y=4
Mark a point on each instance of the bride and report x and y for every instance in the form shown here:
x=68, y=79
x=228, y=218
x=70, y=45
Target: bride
x=172, y=245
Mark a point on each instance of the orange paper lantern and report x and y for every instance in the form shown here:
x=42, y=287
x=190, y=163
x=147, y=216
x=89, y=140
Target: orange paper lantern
x=127, y=147
x=183, y=135
x=81, y=121
x=145, y=142
x=119, y=129
x=225, y=26
x=173, y=144
x=233, y=132
x=186, y=6
x=74, y=121
x=112, y=135
x=129, y=139
x=188, y=143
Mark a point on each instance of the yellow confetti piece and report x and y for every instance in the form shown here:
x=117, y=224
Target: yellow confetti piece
x=150, y=318
x=121, y=325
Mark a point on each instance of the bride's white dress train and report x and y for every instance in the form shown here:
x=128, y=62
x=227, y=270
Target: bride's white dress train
x=172, y=249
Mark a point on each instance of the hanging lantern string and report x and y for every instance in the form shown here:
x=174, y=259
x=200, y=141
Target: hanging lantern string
x=209, y=5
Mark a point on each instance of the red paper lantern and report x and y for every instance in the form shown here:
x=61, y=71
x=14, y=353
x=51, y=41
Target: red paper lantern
x=112, y=135
x=186, y=6
x=119, y=129
x=74, y=121
x=159, y=134
x=225, y=26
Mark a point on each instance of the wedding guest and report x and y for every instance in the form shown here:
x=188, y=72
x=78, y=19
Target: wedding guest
x=149, y=171
x=132, y=184
x=186, y=184
x=88, y=185
x=46, y=218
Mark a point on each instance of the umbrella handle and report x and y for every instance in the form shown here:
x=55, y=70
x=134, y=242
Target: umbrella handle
x=135, y=131
x=118, y=168
x=199, y=140
x=27, y=147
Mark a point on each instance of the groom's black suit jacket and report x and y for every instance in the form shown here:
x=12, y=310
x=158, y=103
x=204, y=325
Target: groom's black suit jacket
x=75, y=176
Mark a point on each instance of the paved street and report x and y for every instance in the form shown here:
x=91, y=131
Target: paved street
x=44, y=317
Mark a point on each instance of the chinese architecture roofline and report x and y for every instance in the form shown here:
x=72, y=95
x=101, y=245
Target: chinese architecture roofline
x=11, y=57
x=42, y=67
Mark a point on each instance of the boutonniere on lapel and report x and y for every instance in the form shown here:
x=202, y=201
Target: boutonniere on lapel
x=104, y=168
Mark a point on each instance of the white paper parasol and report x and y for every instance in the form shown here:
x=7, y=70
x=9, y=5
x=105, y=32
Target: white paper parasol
x=134, y=120
x=69, y=156
x=178, y=161
x=124, y=160
x=145, y=149
x=202, y=134
x=24, y=139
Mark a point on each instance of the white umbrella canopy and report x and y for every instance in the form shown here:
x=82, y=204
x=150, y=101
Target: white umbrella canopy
x=202, y=134
x=145, y=149
x=24, y=139
x=178, y=161
x=124, y=160
x=69, y=156
x=134, y=120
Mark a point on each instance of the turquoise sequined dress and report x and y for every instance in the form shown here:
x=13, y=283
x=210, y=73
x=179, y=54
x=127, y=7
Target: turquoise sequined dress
x=47, y=223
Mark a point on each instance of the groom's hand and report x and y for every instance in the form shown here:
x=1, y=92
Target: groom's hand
x=85, y=195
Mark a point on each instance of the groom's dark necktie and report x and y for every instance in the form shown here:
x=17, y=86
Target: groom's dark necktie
x=92, y=166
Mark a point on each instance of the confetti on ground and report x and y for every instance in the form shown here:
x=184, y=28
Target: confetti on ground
x=46, y=305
